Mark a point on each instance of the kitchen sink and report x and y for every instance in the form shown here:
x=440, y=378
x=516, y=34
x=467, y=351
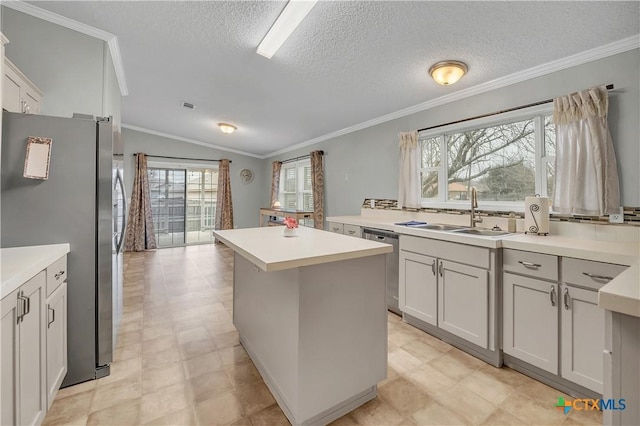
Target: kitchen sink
x=439, y=227
x=481, y=232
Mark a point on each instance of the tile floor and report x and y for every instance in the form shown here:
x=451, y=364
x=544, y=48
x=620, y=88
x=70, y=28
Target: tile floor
x=179, y=362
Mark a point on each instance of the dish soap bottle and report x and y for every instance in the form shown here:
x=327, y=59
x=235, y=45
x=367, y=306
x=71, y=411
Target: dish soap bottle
x=511, y=224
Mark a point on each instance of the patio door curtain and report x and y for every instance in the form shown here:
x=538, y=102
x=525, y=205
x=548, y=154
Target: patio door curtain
x=139, y=233
x=586, y=181
x=409, y=176
x=224, y=204
x=275, y=181
x=317, y=188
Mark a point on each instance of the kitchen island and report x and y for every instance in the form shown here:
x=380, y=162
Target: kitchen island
x=311, y=312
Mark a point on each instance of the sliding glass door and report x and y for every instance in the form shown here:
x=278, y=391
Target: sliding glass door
x=183, y=203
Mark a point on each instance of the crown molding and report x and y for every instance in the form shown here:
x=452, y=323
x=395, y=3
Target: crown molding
x=600, y=52
x=193, y=141
x=54, y=18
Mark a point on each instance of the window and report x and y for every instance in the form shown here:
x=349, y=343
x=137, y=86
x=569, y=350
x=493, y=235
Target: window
x=295, y=186
x=506, y=157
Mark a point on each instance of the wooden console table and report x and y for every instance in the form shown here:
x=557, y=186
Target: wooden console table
x=299, y=215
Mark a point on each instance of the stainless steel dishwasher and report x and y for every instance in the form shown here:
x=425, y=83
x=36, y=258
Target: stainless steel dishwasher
x=392, y=264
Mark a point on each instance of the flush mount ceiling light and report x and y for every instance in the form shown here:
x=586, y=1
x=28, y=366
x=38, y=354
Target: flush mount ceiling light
x=448, y=72
x=227, y=128
x=293, y=13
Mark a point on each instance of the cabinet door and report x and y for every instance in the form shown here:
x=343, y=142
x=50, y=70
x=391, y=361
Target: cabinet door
x=530, y=315
x=463, y=301
x=9, y=359
x=56, y=341
x=11, y=86
x=418, y=292
x=31, y=346
x=582, y=341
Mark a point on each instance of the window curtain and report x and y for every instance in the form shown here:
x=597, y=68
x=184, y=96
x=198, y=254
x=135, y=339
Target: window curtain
x=317, y=188
x=409, y=176
x=139, y=234
x=586, y=180
x=224, y=205
x=275, y=181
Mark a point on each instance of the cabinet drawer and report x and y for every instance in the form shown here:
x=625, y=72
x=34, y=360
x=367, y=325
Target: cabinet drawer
x=589, y=274
x=461, y=253
x=536, y=265
x=56, y=274
x=338, y=228
x=352, y=230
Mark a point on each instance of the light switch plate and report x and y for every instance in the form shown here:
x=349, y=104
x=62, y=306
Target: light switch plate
x=618, y=217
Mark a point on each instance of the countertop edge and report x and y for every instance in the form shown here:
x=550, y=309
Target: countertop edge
x=622, y=294
x=39, y=258
x=512, y=241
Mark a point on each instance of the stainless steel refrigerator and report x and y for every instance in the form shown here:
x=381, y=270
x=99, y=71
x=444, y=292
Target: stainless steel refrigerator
x=75, y=205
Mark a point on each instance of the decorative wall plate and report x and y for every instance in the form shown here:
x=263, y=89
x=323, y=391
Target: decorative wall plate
x=246, y=175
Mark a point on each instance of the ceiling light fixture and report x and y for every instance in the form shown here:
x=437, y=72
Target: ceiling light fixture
x=448, y=72
x=227, y=128
x=293, y=13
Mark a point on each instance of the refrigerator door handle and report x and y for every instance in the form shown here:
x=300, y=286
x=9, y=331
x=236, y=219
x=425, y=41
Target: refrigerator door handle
x=120, y=244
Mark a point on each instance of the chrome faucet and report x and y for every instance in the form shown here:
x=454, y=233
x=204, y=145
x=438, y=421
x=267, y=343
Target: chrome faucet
x=474, y=206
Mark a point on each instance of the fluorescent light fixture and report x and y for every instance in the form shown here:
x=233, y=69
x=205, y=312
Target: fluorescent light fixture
x=293, y=13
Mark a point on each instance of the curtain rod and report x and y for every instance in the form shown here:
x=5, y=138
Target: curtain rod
x=609, y=87
x=178, y=158
x=299, y=158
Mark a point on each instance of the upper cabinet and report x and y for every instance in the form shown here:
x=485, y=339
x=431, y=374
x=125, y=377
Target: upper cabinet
x=19, y=94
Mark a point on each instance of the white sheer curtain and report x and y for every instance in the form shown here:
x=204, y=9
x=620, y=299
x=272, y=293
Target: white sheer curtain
x=586, y=180
x=409, y=177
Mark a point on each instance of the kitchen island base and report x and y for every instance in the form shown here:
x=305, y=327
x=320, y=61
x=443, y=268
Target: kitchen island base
x=317, y=334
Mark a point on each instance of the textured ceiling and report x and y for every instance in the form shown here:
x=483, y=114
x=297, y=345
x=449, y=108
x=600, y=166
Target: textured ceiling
x=347, y=62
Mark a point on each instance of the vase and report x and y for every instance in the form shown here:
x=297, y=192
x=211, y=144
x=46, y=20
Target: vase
x=289, y=232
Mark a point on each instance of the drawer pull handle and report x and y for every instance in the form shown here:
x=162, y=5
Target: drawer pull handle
x=21, y=308
x=552, y=295
x=529, y=264
x=441, y=269
x=53, y=319
x=566, y=299
x=597, y=277
x=433, y=267
x=336, y=229
x=58, y=275
x=352, y=232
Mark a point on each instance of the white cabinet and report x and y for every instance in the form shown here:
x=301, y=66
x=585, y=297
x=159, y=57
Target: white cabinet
x=418, y=291
x=463, y=301
x=19, y=94
x=582, y=337
x=583, y=322
x=449, y=286
x=556, y=327
x=352, y=230
x=56, y=341
x=336, y=227
x=33, y=345
x=24, y=398
x=346, y=229
x=530, y=315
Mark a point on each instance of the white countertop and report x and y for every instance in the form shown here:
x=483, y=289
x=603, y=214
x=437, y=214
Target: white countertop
x=622, y=294
x=19, y=264
x=621, y=253
x=270, y=250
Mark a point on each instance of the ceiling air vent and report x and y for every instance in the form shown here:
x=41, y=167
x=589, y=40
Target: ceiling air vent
x=188, y=105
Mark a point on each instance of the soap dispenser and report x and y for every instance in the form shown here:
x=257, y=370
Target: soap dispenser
x=511, y=224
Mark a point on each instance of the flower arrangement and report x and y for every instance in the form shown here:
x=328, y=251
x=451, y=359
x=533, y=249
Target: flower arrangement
x=290, y=222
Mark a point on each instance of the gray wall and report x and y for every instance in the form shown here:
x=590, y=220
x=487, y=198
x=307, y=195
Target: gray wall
x=66, y=65
x=365, y=163
x=247, y=197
